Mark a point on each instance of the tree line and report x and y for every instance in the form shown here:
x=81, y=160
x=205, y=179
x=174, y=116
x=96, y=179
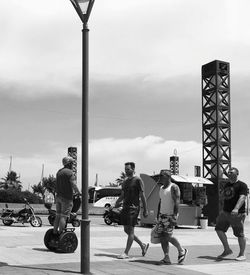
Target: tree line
x=11, y=189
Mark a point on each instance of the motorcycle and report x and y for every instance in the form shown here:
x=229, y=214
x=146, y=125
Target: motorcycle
x=25, y=215
x=112, y=215
x=73, y=215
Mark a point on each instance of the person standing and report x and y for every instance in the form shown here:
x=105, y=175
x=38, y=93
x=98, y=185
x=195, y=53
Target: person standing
x=233, y=214
x=132, y=192
x=65, y=188
x=168, y=211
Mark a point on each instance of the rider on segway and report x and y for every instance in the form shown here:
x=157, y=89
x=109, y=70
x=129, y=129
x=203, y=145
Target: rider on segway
x=65, y=188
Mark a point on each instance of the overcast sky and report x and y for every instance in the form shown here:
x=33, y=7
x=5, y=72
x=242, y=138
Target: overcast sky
x=145, y=83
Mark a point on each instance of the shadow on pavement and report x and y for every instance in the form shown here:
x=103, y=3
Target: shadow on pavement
x=146, y=262
x=106, y=255
x=215, y=258
x=48, y=251
x=42, y=250
x=32, y=268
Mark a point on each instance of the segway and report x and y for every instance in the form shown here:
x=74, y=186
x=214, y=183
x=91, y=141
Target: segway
x=66, y=242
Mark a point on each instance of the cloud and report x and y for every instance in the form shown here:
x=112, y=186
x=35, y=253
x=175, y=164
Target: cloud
x=150, y=153
x=108, y=155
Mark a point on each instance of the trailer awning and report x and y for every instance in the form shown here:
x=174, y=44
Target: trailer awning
x=187, y=179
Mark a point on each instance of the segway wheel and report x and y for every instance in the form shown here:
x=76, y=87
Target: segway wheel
x=47, y=239
x=68, y=242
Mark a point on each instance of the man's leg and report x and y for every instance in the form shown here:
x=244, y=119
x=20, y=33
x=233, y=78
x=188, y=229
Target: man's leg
x=242, y=244
x=129, y=230
x=58, y=215
x=56, y=224
x=223, y=238
x=238, y=229
x=66, y=208
x=176, y=243
x=165, y=244
x=181, y=251
x=62, y=223
x=165, y=248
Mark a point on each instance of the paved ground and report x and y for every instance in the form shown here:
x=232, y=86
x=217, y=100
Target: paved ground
x=22, y=252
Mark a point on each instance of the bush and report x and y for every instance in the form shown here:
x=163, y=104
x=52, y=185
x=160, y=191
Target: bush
x=16, y=196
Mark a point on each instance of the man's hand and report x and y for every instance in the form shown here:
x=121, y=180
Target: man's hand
x=235, y=212
x=145, y=213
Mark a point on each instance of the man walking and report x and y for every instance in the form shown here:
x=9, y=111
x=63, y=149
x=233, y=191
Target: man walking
x=132, y=192
x=168, y=211
x=233, y=214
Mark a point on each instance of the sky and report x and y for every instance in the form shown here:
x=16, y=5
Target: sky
x=145, y=61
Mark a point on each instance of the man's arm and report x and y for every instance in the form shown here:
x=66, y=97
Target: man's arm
x=74, y=185
x=176, y=198
x=119, y=200
x=144, y=204
x=143, y=199
x=158, y=209
x=239, y=203
x=242, y=198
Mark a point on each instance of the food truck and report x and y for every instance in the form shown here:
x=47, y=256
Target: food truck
x=193, y=198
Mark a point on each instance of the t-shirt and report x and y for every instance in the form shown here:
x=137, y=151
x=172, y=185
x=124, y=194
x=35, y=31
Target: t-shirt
x=64, y=183
x=232, y=193
x=132, y=188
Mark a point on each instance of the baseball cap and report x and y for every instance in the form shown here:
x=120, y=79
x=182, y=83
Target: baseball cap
x=67, y=160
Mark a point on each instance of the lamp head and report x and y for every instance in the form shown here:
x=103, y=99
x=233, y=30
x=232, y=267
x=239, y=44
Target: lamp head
x=83, y=8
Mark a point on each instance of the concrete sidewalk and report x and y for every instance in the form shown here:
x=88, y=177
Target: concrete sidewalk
x=26, y=254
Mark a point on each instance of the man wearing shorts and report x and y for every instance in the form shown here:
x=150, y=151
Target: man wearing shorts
x=233, y=214
x=168, y=211
x=132, y=192
x=65, y=188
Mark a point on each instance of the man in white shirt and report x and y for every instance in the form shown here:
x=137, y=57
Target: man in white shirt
x=168, y=211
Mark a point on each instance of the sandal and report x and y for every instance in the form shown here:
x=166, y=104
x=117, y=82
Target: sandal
x=145, y=249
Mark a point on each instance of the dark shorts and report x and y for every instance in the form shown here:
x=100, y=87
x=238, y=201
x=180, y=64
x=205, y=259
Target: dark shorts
x=225, y=219
x=129, y=215
x=63, y=206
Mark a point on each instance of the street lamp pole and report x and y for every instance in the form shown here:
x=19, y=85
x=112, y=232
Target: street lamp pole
x=83, y=9
x=85, y=223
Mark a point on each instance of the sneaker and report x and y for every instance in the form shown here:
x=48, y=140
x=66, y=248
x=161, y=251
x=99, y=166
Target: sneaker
x=240, y=258
x=145, y=249
x=182, y=257
x=225, y=254
x=123, y=256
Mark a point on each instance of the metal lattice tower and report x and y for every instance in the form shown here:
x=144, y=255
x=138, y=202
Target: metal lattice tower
x=174, y=163
x=72, y=152
x=216, y=130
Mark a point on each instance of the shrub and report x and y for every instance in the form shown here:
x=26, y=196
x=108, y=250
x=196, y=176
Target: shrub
x=16, y=196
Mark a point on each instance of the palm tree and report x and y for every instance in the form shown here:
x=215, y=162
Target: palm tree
x=121, y=179
x=11, y=181
x=38, y=189
x=50, y=184
x=46, y=184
